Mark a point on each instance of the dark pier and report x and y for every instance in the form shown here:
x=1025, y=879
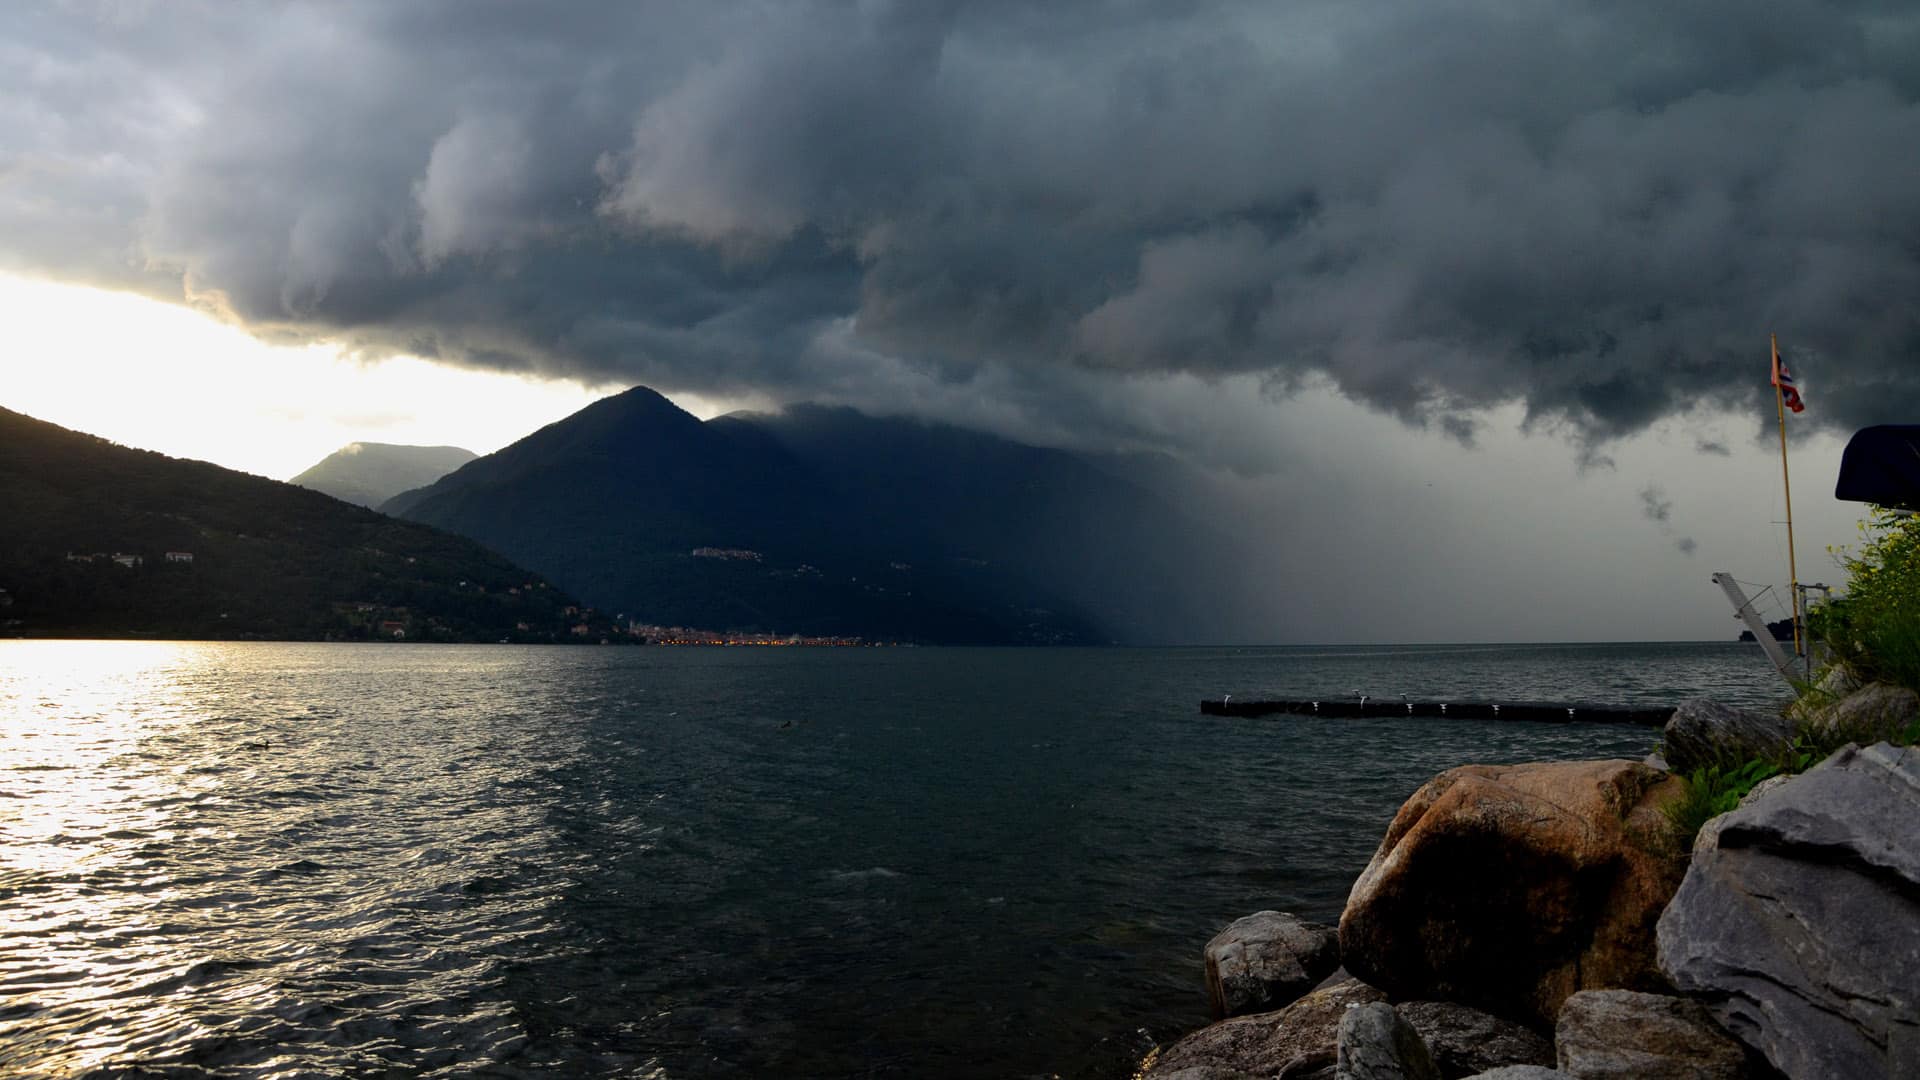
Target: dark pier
x=1471, y=710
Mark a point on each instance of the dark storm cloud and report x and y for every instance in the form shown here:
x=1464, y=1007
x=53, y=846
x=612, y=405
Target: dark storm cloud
x=1596, y=210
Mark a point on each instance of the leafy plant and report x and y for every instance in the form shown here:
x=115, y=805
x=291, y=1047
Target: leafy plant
x=1712, y=790
x=1875, y=627
x=1716, y=789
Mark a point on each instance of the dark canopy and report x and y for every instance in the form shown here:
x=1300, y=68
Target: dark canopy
x=1882, y=465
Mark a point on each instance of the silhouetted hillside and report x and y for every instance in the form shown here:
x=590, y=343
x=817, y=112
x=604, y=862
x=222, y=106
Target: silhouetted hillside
x=825, y=521
x=369, y=473
x=207, y=552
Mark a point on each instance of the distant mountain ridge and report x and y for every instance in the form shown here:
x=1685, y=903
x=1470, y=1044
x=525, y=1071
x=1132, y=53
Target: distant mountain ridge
x=102, y=540
x=369, y=473
x=840, y=523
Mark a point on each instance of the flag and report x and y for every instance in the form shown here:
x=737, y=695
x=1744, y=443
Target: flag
x=1783, y=379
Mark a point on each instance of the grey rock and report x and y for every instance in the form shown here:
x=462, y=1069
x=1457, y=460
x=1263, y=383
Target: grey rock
x=1338, y=976
x=1837, y=680
x=1318, y=1065
x=1874, y=712
x=1520, y=1072
x=1375, y=1043
x=1760, y=789
x=1623, y=1035
x=1833, y=683
x=1294, y=1043
x=1267, y=960
x=1702, y=731
x=1798, y=922
x=1465, y=1040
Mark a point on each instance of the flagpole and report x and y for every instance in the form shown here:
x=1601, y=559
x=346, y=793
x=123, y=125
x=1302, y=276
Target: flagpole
x=1786, y=484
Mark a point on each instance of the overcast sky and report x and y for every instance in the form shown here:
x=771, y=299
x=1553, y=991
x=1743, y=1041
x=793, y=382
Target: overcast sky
x=1531, y=252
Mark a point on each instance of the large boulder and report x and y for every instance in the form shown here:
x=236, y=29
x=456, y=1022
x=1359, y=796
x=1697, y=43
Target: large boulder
x=1376, y=1044
x=1266, y=960
x=1465, y=1040
x=1875, y=712
x=1799, y=919
x=1509, y=887
x=1521, y=1072
x=1623, y=1035
x=1703, y=731
x=1298, y=1042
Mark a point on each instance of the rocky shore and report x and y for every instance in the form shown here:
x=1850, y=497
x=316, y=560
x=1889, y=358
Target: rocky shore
x=1547, y=920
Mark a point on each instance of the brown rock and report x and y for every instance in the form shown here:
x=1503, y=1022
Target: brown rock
x=1295, y=1043
x=1509, y=887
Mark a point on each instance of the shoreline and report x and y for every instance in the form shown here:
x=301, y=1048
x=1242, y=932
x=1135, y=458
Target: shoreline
x=1451, y=955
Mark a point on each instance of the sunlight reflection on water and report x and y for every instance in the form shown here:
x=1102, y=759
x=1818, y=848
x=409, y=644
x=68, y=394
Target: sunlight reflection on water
x=80, y=818
x=230, y=873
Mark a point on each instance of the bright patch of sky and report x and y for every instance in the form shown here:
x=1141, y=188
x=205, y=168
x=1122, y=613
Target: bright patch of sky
x=170, y=378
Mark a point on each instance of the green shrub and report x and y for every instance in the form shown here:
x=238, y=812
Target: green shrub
x=1712, y=790
x=1875, y=627
x=1715, y=789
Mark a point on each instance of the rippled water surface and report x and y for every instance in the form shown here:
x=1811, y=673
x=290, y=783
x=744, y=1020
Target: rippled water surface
x=246, y=860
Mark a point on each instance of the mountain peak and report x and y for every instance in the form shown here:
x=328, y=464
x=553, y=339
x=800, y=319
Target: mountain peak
x=363, y=446
x=636, y=425
x=622, y=415
x=884, y=528
x=639, y=394
x=370, y=473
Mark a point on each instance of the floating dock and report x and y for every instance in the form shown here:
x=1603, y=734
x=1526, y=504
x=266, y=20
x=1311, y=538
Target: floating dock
x=1349, y=707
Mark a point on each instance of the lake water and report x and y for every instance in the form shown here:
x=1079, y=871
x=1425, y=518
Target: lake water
x=277, y=860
